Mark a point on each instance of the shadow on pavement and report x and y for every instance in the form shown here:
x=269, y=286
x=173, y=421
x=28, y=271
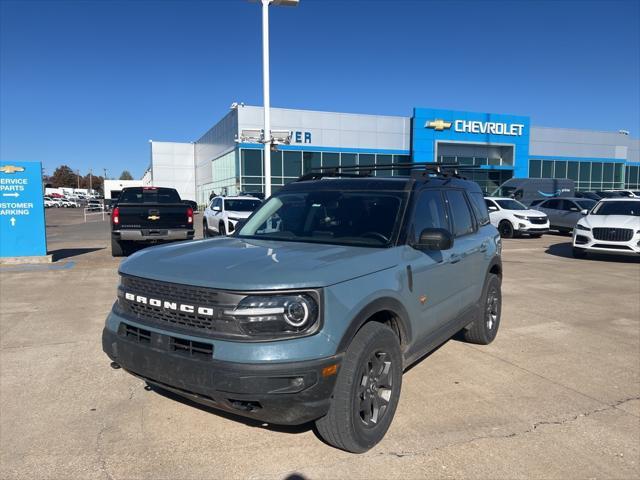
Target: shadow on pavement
x=62, y=253
x=294, y=429
x=565, y=250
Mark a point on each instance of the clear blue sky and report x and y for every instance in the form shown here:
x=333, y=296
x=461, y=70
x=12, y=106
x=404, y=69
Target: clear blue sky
x=89, y=83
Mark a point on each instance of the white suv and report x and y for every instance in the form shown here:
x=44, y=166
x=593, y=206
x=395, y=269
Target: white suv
x=612, y=226
x=511, y=217
x=222, y=214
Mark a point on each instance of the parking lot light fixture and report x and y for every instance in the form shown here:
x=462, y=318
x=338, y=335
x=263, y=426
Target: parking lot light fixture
x=265, y=85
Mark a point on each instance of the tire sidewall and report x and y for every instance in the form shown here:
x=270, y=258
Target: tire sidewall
x=509, y=233
x=493, y=282
x=383, y=339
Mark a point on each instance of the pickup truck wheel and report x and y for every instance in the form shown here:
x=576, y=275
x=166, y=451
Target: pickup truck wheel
x=483, y=331
x=367, y=391
x=506, y=229
x=117, y=249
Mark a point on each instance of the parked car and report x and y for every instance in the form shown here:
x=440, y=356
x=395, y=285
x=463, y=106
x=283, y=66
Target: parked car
x=223, y=213
x=48, y=203
x=94, y=206
x=313, y=309
x=511, y=218
x=612, y=226
x=149, y=215
x=564, y=213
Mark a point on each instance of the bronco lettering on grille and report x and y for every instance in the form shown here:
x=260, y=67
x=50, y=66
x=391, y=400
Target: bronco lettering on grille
x=167, y=305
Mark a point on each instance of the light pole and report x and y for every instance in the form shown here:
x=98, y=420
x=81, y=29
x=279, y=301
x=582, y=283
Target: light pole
x=265, y=85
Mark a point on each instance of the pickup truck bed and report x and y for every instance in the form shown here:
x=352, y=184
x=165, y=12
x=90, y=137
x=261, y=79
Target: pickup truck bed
x=149, y=215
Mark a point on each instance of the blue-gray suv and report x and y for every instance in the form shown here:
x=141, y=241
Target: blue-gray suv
x=316, y=305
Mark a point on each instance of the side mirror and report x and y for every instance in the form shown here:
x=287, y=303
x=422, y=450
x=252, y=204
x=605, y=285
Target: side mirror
x=584, y=212
x=434, y=239
x=216, y=209
x=492, y=208
x=574, y=209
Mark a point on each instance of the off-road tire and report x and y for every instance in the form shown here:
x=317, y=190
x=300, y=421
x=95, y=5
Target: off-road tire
x=484, y=330
x=505, y=227
x=345, y=425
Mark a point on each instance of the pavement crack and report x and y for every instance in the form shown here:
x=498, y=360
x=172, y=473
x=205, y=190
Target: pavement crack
x=101, y=456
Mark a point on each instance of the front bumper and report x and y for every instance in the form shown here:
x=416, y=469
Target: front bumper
x=153, y=235
x=278, y=393
x=584, y=239
x=525, y=226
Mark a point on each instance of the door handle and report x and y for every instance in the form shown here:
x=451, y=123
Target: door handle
x=484, y=246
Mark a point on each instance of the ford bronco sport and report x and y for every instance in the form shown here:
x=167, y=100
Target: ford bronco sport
x=316, y=305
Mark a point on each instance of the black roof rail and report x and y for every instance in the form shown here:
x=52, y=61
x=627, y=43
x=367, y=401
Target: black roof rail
x=417, y=169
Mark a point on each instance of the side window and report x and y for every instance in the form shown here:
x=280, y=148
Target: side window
x=552, y=204
x=565, y=205
x=572, y=206
x=461, y=215
x=479, y=208
x=429, y=213
x=490, y=203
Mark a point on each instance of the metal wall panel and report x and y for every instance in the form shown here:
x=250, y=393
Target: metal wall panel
x=565, y=142
x=172, y=165
x=217, y=141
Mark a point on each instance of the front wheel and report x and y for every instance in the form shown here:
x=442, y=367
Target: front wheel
x=367, y=391
x=221, y=230
x=205, y=230
x=484, y=330
x=506, y=229
x=117, y=248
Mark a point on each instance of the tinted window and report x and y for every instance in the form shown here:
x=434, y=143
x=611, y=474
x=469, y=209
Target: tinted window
x=461, y=215
x=149, y=195
x=490, y=203
x=511, y=205
x=429, y=213
x=567, y=205
x=586, y=204
x=479, y=208
x=553, y=204
x=618, y=208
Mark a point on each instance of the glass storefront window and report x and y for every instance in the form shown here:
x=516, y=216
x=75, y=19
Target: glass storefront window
x=585, y=171
x=276, y=164
x=310, y=160
x=465, y=160
x=348, y=159
x=547, y=169
x=366, y=159
x=608, y=172
x=495, y=161
x=402, y=159
x=572, y=170
x=292, y=164
x=383, y=160
x=251, y=162
x=596, y=176
x=561, y=170
x=330, y=159
x=480, y=161
x=535, y=168
x=617, y=175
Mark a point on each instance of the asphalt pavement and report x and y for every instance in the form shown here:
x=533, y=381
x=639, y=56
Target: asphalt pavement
x=557, y=395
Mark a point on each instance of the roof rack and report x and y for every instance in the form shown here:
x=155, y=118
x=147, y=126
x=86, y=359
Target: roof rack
x=417, y=170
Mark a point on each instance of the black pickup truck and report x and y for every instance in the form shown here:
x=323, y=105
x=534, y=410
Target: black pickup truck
x=149, y=215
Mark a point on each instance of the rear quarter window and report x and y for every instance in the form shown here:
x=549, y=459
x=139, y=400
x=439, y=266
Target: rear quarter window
x=479, y=206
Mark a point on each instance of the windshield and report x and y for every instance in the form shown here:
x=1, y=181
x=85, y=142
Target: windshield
x=511, y=205
x=358, y=218
x=617, y=208
x=241, y=205
x=586, y=204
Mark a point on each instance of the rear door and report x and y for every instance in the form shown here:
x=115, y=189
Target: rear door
x=570, y=213
x=551, y=209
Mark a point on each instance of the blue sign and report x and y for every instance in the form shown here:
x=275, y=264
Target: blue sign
x=436, y=132
x=22, y=226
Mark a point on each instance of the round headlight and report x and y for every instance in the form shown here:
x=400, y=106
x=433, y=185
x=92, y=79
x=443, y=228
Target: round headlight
x=296, y=312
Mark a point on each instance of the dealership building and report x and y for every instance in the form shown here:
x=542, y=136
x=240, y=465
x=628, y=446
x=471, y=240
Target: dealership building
x=228, y=158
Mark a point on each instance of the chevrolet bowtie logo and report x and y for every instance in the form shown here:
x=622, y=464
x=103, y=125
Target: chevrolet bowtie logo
x=154, y=217
x=11, y=169
x=438, y=124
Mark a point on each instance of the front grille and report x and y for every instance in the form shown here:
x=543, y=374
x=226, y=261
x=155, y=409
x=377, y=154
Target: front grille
x=538, y=220
x=158, y=312
x=613, y=234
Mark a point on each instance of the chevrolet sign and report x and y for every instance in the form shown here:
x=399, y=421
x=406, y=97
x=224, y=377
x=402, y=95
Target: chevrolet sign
x=473, y=126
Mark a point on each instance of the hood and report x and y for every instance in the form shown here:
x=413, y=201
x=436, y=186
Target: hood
x=531, y=213
x=234, y=264
x=234, y=214
x=611, y=221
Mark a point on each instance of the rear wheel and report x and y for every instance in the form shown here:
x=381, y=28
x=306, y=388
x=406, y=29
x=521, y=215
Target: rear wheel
x=484, y=330
x=367, y=391
x=117, y=248
x=506, y=229
x=579, y=253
